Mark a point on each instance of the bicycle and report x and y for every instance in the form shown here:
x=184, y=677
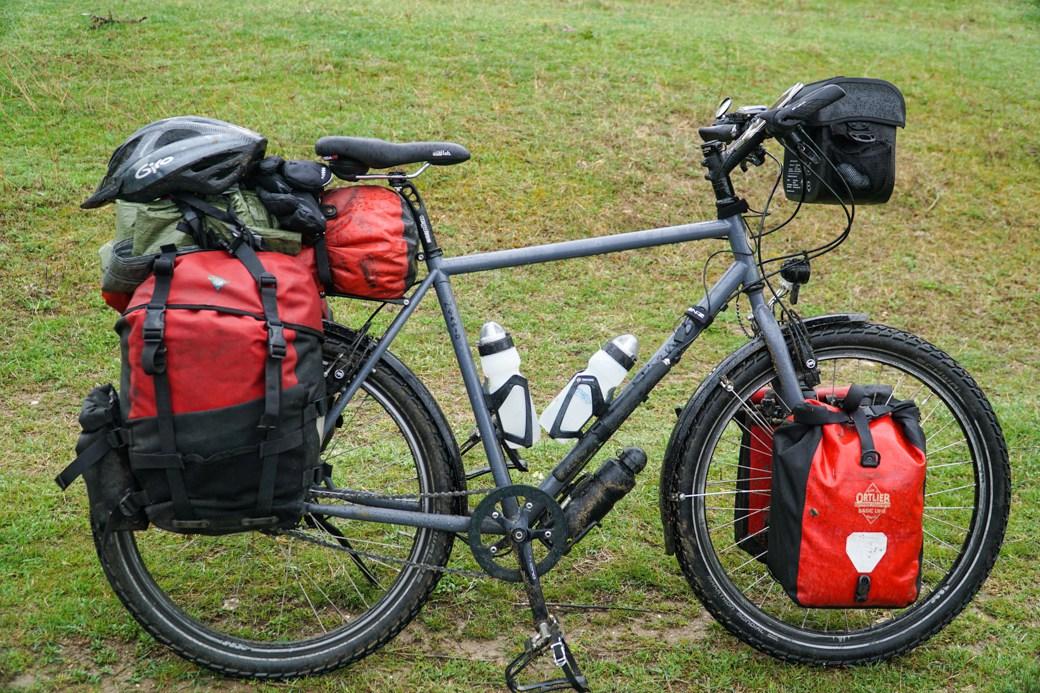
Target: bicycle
x=378, y=535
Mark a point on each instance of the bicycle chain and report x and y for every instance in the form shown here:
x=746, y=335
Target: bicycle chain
x=303, y=536
x=343, y=495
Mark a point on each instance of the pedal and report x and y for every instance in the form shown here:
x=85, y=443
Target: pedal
x=548, y=638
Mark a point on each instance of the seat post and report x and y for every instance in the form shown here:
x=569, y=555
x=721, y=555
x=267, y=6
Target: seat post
x=415, y=201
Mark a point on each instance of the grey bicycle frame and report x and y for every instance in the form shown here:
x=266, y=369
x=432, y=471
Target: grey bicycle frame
x=742, y=273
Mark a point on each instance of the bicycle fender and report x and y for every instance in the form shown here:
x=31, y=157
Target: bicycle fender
x=696, y=402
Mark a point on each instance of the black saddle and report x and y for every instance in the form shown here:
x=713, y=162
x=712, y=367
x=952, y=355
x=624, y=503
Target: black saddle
x=353, y=156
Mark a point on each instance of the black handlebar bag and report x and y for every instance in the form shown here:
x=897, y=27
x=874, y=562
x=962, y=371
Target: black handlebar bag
x=845, y=526
x=851, y=152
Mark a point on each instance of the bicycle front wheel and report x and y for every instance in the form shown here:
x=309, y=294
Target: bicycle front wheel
x=277, y=605
x=967, y=495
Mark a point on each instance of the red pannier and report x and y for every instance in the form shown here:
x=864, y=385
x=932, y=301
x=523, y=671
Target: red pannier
x=755, y=467
x=371, y=240
x=222, y=389
x=845, y=526
x=754, y=476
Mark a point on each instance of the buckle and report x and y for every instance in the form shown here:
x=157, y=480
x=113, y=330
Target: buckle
x=154, y=323
x=163, y=265
x=268, y=280
x=128, y=505
x=276, y=346
x=117, y=437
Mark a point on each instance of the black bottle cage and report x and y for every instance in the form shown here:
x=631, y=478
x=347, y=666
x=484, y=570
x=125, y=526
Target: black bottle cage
x=497, y=398
x=599, y=405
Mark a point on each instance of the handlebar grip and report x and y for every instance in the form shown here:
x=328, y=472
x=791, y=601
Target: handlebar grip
x=816, y=100
x=726, y=132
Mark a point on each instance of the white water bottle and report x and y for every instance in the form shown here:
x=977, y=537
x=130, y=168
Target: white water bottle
x=589, y=390
x=507, y=390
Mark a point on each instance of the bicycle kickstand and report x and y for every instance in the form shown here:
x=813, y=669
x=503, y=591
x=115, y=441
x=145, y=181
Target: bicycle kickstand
x=548, y=636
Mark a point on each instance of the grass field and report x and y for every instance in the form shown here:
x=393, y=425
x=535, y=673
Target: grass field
x=582, y=119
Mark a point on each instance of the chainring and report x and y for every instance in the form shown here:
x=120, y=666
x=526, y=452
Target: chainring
x=549, y=530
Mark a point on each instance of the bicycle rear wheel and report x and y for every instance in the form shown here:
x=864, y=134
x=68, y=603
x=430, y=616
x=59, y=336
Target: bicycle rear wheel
x=967, y=495
x=277, y=605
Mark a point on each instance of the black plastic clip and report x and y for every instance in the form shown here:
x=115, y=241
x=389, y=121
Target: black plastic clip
x=276, y=345
x=153, y=355
x=699, y=316
x=731, y=208
x=870, y=458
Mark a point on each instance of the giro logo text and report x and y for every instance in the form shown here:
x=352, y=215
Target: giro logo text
x=152, y=167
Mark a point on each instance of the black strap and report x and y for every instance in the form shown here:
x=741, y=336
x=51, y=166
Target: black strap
x=89, y=457
x=276, y=344
x=153, y=360
x=276, y=351
x=321, y=260
x=153, y=329
x=269, y=451
x=853, y=412
x=869, y=457
x=190, y=206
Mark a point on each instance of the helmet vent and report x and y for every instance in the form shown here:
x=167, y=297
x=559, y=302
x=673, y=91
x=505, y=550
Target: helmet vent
x=171, y=136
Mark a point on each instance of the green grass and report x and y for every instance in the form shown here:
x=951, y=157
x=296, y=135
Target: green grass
x=582, y=119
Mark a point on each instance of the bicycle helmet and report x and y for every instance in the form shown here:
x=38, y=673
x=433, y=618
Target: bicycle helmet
x=182, y=154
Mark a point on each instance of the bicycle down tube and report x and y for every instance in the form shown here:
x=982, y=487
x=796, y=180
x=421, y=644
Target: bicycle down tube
x=742, y=272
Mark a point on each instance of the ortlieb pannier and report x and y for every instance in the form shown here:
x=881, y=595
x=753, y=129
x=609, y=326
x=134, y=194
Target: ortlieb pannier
x=371, y=241
x=222, y=392
x=755, y=466
x=847, y=501
x=854, y=157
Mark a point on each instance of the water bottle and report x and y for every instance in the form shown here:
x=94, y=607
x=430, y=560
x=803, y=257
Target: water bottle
x=587, y=393
x=507, y=391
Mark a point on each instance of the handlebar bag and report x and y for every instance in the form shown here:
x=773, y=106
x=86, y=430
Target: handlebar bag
x=371, y=242
x=223, y=390
x=851, y=156
x=845, y=526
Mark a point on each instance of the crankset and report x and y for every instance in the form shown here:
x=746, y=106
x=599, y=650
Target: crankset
x=538, y=521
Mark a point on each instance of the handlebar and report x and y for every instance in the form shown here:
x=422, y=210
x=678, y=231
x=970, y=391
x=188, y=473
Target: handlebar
x=789, y=117
x=777, y=122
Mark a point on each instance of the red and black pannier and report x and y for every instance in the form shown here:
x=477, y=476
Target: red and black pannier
x=755, y=466
x=222, y=397
x=223, y=388
x=847, y=501
x=370, y=245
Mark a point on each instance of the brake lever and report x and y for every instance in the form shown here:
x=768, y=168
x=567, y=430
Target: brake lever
x=755, y=158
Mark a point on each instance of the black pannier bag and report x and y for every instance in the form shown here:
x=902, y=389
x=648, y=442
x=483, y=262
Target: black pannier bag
x=104, y=463
x=847, y=501
x=857, y=134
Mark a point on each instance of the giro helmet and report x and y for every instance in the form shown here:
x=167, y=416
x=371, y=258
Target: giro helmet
x=182, y=154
